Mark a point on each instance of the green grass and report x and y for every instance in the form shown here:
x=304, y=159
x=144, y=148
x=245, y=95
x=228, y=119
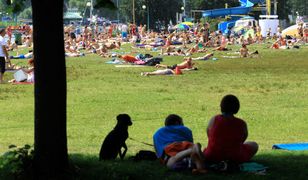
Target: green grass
x=272, y=91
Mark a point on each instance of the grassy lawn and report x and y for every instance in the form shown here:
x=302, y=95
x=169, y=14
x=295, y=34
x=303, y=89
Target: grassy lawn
x=272, y=91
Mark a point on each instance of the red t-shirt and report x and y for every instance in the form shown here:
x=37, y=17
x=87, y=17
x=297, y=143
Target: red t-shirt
x=129, y=58
x=226, y=139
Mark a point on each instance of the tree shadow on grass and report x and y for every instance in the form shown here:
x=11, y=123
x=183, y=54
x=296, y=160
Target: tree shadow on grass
x=281, y=164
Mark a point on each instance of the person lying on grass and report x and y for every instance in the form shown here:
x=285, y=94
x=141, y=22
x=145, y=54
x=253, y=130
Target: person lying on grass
x=174, y=52
x=23, y=56
x=167, y=71
x=196, y=49
x=227, y=135
x=205, y=57
x=281, y=43
x=186, y=64
x=128, y=58
x=29, y=71
x=174, y=146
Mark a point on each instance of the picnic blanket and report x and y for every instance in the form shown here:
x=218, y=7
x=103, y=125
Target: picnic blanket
x=252, y=167
x=231, y=57
x=129, y=65
x=231, y=167
x=292, y=146
x=115, y=61
x=18, y=83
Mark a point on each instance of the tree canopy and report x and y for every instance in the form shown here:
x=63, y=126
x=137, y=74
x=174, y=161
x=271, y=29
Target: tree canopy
x=158, y=9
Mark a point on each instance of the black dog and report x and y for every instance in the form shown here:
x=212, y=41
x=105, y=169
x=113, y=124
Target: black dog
x=115, y=140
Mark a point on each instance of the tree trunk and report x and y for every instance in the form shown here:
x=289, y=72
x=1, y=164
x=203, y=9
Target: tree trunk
x=50, y=141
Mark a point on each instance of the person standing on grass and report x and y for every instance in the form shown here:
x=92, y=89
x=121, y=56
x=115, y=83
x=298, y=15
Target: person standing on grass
x=4, y=55
x=227, y=135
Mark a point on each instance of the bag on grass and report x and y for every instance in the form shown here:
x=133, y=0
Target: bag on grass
x=153, y=61
x=145, y=155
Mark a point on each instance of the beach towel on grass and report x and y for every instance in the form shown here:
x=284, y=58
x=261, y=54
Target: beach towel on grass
x=18, y=83
x=292, y=146
x=129, y=65
x=115, y=61
x=252, y=167
x=232, y=167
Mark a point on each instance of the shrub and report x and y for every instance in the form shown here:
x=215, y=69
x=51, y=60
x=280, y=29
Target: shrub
x=16, y=162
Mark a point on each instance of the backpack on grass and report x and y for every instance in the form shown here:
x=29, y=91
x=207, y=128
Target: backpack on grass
x=145, y=155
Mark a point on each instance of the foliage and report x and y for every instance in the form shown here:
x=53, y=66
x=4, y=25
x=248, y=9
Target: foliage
x=26, y=13
x=105, y=4
x=213, y=4
x=213, y=22
x=17, y=161
x=299, y=6
x=159, y=11
x=16, y=6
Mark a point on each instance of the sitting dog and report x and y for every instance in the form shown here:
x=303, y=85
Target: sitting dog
x=115, y=140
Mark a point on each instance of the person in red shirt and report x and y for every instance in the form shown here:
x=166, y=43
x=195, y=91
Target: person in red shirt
x=128, y=58
x=227, y=135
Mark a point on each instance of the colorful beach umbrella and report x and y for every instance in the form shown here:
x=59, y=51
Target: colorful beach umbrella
x=182, y=26
x=188, y=23
x=291, y=31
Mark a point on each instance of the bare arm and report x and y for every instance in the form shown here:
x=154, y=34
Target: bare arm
x=241, y=52
x=210, y=125
x=161, y=65
x=28, y=70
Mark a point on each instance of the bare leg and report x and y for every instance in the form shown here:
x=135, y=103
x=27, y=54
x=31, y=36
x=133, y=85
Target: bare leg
x=179, y=156
x=198, y=159
x=161, y=65
x=157, y=72
x=254, y=147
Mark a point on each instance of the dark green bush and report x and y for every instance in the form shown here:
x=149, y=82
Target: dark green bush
x=16, y=162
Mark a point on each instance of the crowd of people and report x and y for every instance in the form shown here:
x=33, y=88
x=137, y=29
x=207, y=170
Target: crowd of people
x=198, y=39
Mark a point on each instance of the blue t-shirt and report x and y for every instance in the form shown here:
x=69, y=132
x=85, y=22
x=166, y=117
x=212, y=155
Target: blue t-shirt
x=169, y=134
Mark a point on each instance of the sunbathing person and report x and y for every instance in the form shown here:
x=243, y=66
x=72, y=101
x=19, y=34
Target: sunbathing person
x=306, y=33
x=113, y=45
x=168, y=71
x=281, y=43
x=222, y=43
x=13, y=46
x=178, y=52
x=29, y=72
x=206, y=57
x=69, y=54
x=128, y=58
x=23, y=56
x=250, y=39
x=186, y=64
x=244, y=51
